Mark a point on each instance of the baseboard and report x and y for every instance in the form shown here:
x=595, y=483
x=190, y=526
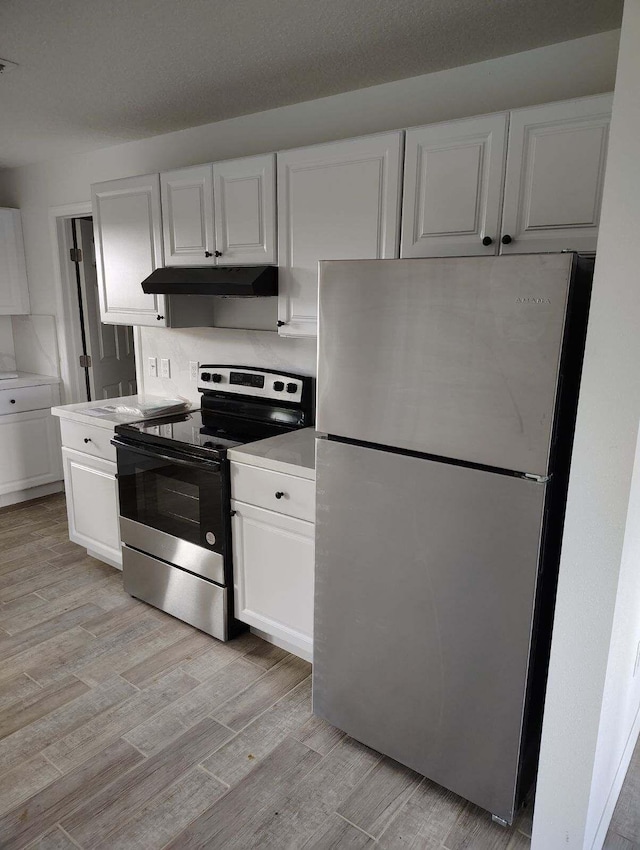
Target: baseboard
x=7, y=499
x=283, y=644
x=614, y=793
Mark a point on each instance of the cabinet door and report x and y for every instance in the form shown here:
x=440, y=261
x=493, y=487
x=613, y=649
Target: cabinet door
x=273, y=558
x=14, y=292
x=338, y=201
x=128, y=239
x=30, y=453
x=245, y=205
x=92, y=503
x=187, y=216
x=555, y=172
x=453, y=188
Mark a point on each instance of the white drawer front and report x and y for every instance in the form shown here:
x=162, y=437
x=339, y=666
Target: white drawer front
x=276, y=491
x=25, y=398
x=89, y=439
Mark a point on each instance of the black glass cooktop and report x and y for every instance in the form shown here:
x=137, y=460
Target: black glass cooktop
x=201, y=431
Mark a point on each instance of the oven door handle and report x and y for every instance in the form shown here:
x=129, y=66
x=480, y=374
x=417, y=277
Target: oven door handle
x=211, y=465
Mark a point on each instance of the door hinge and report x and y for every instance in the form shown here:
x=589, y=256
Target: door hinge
x=75, y=255
x=85, y=361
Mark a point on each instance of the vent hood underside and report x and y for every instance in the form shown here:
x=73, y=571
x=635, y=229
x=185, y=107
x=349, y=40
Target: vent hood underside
x=230, y=281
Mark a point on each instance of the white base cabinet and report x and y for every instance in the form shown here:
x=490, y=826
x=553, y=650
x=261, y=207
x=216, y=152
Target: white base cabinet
x=30, y=451
x=274, y=555
x=92, y=504
x=91, y=486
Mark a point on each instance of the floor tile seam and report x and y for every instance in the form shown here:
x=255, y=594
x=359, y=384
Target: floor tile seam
x=355, y=826
x=265, y=710
x=418, y=785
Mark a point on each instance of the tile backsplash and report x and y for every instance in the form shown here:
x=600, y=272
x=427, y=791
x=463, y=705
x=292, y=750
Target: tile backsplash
x=216, y=345
x=7, y=350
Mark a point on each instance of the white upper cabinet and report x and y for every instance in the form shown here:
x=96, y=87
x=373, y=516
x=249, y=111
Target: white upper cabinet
x=453, y=187
x=335, y=201
x=187, y=216
x=14, y=292
x=244, y=194
x=128, y=240
x=220, y=214
x=555, y=172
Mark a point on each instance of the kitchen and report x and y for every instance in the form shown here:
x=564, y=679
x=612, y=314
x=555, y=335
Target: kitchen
x=222, y=346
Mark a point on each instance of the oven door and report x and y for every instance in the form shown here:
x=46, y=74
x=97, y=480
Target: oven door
x=173, y=507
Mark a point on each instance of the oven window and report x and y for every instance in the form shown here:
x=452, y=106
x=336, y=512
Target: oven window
x=183, y=501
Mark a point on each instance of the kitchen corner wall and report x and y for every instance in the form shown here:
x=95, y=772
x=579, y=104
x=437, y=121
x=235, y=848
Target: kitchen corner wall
x=7, y=349
x=570, y=69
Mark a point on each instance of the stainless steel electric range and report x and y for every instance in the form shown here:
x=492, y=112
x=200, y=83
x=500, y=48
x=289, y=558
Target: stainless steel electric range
x=174, y=487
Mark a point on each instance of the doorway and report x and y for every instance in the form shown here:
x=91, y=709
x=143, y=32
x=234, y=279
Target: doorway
x=107, y=359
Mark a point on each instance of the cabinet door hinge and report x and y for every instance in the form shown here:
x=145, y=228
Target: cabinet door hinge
x=75, y=255
x=85, y=361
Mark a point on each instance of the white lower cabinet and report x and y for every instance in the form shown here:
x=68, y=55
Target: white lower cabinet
x=92, y=504
x=30, y=453
x=274, y=555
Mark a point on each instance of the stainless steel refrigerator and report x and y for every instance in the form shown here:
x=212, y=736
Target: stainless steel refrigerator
x=447, y=391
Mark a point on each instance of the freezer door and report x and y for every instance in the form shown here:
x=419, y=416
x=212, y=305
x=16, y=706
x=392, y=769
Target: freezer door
x=455, y=357
x=425, y=582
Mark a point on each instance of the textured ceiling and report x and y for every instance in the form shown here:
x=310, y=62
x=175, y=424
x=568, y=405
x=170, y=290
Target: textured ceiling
x=98, y=72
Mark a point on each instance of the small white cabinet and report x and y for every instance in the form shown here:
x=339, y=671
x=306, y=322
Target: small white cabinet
x=220, y=214
x=91, y=487
x=30, y=455
x=453, y=187
x=29, y=442
x=128, y=241
x=555, y=174
x=337, y=201
x=187, y=216
x=14, y=292
x=274, y=554
x=92, y=504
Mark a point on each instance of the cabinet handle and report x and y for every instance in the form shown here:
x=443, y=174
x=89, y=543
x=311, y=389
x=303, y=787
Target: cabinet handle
x=487, y=240
x=159, y=318
x=280, y=494
x=13, y=401
x=506, y=239
x=87, y=439
x=281, y=324
x=208, y=254
x=218, y=253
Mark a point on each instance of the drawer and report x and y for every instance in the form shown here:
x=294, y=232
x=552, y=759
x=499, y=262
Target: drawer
x=90, y=439
x=260, y=487
x=22, y=399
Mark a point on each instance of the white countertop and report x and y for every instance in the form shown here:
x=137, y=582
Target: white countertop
x=82, y=412
x=293, y=453
x=26, y=379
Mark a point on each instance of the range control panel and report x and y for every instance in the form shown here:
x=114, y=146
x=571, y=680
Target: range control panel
x=257, y=383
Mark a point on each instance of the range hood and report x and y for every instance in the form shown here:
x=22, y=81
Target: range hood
x=221, y=281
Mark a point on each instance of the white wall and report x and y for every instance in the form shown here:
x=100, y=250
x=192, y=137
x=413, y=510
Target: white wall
x=572, y=69
x=592, y=700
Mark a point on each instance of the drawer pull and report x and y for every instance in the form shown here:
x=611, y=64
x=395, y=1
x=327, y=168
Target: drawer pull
x=280, y=494
x=13, y=401
x=87, y=439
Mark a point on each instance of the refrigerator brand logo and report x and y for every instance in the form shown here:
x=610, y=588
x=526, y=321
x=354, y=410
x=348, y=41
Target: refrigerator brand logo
x=533, y=301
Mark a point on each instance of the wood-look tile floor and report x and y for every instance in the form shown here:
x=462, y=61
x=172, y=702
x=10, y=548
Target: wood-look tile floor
x=122, y=728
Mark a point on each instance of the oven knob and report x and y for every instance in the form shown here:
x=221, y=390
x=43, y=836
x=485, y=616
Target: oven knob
x=205, y=376
x=216, y=378
x=292, y=388
x=278, y=386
